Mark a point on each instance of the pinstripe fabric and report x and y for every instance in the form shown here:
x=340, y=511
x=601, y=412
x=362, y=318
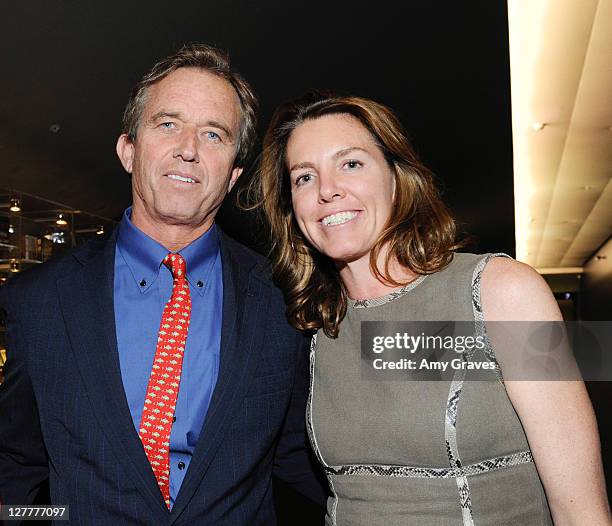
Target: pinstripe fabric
x=63, y=358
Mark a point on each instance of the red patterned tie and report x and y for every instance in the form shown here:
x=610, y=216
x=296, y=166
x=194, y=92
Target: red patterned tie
x=162, y=391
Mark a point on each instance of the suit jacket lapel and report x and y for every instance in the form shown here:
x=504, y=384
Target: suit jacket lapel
x=86, y=298
x=244, y=301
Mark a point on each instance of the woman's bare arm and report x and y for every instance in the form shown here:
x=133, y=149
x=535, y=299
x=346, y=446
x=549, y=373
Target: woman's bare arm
x=557, y=415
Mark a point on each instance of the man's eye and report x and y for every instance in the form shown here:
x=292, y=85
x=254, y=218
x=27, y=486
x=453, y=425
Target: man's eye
x=213, y=136
x=167, y=125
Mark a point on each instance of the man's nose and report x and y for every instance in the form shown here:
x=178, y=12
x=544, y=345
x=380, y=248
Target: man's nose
x=187, y=146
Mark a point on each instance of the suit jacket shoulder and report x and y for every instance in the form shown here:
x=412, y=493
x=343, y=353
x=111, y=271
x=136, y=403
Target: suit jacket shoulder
x=247, y=257
x=32, y=279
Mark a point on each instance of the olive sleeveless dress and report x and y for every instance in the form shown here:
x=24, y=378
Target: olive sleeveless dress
x=428, y=453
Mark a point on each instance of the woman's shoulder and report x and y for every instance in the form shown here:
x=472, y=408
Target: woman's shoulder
x=468, y=266
x=512, y=290
x=513, y=279
x=471, y=258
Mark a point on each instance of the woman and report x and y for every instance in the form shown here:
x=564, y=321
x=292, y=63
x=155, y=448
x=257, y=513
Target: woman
x=360, y=234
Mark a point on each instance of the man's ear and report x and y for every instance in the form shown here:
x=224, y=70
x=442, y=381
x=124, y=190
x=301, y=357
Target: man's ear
x=125, y=152
x=236, y=172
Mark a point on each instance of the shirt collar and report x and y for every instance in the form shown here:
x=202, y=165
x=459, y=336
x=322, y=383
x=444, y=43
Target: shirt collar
x=143, y=255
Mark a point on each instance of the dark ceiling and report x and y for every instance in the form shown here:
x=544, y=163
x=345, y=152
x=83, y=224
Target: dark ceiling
x=442, y=65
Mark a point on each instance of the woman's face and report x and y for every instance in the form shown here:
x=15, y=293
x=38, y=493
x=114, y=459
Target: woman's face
x=342, y=187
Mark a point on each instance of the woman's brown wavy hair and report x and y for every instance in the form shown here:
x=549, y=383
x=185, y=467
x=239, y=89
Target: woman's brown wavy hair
x=420, y=233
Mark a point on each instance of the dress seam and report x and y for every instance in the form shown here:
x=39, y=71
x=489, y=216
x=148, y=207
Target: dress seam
x=310, y=429
x=471, y=470
x=387, y=298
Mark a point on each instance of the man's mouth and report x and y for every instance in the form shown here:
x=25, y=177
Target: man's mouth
x=181, y=178
x=338, y=219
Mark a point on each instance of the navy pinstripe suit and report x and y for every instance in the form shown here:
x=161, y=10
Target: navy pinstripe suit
x=64, y=415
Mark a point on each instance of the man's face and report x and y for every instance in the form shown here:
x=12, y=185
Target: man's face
x=182, y=159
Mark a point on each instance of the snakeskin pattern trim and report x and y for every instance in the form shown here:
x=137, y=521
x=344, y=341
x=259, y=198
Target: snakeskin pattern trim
x=476, y=282
x=478, y=313
x=311, y=434
x=450, y=437
x=380, y=470
x=377, y=302
x=454, y=395
x=455, y=390
x=455, y=470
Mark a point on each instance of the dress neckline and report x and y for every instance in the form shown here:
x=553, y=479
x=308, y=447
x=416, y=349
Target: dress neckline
x=382, y=300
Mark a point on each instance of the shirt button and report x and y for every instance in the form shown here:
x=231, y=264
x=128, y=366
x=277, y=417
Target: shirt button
x=199, y=284
x=181, y=465
x=143, y=283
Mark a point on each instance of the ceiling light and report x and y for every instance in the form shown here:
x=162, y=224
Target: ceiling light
x=11, y=229
x=14, y=265
x=15, y=204
x=61, y=220
x=100, y=230
x=56, y=237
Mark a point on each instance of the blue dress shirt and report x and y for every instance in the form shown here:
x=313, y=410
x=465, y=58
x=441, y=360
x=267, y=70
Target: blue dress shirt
x=142, y=287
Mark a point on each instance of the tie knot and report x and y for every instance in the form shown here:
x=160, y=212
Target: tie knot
x=176, y=264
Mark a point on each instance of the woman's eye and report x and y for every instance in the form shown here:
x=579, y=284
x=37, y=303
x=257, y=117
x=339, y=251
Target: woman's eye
x=352, y=164
x=303, y=179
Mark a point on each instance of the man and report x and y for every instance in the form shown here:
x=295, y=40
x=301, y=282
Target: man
x=152, y=375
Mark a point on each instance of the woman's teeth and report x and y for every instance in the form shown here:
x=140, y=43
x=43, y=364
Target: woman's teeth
x=180, y=178
x=339, y=218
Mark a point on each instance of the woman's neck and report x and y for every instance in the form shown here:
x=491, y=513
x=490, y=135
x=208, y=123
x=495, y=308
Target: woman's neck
x=361, y=283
